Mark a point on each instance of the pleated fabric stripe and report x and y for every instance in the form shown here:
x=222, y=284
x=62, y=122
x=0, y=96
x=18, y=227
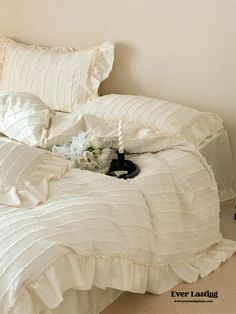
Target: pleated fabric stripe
x=15, y=159
x=24, y=117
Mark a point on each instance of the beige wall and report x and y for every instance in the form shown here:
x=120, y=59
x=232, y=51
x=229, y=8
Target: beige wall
x=183, y=51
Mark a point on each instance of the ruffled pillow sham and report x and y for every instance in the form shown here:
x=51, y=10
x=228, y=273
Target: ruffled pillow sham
x=24, y=117
x=163, y=116
x=25, y=173
x=63, y=78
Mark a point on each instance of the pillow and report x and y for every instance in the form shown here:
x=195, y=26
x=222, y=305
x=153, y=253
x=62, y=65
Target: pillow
x=63, y=80
x=160, y=115
x=25, y=173
x=5, y=41
x=24, y=117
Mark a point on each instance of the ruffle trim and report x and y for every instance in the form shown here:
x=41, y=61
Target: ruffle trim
x=72, y=271
x=33, y=186
x=201, y=127
x=100, y=68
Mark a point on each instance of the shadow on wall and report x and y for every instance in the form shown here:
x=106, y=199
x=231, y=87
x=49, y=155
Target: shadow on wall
x=122, y=79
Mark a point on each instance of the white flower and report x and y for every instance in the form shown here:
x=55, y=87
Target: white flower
x=81, y=161
x=93, y=164
x=106, y=151
x=88, y=155
x=95, y=142
x=102, y=159
x=87, y=165
x=87, y=150
x=86, y=162
x=96, y=152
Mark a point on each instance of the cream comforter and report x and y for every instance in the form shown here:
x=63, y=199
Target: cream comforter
x=145, y=234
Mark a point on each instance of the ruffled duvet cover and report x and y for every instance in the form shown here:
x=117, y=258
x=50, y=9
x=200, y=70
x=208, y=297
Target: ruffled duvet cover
x=144, y=234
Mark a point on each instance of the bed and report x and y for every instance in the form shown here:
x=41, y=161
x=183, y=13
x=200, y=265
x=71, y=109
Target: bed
x=74, y=301
x=73, y=240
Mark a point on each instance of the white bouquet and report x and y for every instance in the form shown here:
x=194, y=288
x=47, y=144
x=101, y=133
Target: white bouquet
x=88, y=151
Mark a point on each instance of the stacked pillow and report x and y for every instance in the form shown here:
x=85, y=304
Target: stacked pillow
x=66, y=80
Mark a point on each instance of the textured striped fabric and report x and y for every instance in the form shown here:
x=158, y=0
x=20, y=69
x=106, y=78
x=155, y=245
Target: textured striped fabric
x=63, y=80
x=5, y=41
x=145, y=234
x=167, y=117
x=3, y=45
x=24, y=117
x=25, y=172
